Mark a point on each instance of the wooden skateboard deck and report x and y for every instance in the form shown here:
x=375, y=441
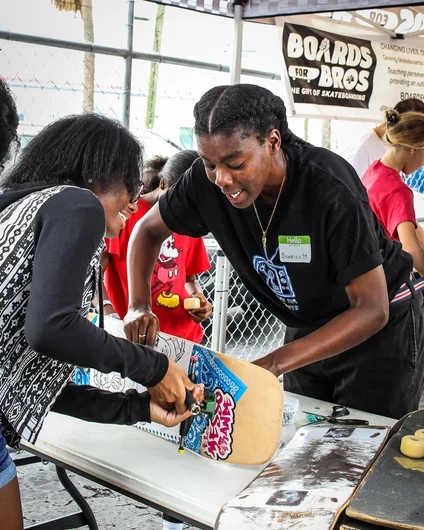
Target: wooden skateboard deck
x=392, y=492
x=354, y=524
x=246, y=426
x=309, y=483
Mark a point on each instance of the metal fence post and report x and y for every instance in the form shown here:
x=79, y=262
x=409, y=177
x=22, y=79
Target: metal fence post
x=219, y=321
x=222, y=271
x=126, y=95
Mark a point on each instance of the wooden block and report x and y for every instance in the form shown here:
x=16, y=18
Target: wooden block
x=191, y=303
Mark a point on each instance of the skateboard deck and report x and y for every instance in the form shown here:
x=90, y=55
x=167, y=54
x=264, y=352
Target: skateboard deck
x=354, y=524
x=309, y=483
x=392, y=492
x=247, y=421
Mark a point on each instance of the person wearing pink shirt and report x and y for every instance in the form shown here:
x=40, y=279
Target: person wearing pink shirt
x=391, y=199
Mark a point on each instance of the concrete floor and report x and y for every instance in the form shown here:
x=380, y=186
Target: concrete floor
x=44, y=498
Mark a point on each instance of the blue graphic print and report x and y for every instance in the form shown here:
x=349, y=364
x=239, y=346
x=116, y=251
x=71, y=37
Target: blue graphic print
x=416, y=180
x=81, y=376
x=277, y=279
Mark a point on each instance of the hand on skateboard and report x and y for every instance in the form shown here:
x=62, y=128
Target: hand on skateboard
x=244, y=427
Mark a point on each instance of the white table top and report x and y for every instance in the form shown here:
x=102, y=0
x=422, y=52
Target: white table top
x=145, y=465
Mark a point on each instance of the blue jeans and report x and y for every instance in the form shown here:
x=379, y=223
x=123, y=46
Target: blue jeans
x=7, y=467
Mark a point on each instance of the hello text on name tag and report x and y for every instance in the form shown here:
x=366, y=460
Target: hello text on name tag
x=295, y=249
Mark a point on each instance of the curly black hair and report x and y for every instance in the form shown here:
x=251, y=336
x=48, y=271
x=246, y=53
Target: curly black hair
x=9, y=121
x=88, y=151
x=151, y=170
x=248, y=109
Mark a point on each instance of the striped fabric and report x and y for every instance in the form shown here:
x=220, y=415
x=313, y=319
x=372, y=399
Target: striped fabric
x=29, y=382
x=405, y=290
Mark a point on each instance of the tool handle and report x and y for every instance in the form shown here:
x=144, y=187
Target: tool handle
x=185, y=425
x=191, y=403
x=350, y=421
x=184, y=428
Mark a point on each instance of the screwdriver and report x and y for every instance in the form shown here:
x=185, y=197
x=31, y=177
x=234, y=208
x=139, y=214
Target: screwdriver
x=185, y=425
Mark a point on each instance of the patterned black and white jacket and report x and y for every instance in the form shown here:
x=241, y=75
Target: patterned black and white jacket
x=50, y=244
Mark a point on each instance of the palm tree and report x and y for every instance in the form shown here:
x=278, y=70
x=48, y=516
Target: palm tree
x=154, y=69
x=85, y=7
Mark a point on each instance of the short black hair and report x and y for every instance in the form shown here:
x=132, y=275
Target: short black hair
x=409, y=105
x=88, y=151
x=151, y=170
x=244, y=108
x=9, y=121
x=177, y=165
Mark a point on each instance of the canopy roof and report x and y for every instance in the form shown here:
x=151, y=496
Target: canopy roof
x=255, y=9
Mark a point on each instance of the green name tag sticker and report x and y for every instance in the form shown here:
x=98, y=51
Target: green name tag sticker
x=295, y=249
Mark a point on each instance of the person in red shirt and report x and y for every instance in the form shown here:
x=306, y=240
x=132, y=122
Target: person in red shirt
x=151, y=174
x=174, y=277
x=391, y=199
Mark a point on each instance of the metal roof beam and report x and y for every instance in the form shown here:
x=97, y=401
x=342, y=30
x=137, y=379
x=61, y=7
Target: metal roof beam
x=390, y=32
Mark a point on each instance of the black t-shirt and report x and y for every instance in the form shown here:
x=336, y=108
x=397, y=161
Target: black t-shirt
x=323, y=200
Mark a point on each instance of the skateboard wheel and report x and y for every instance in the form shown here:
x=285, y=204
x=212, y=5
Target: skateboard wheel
x=420, y=433
x=191, y=303
x=412, y=446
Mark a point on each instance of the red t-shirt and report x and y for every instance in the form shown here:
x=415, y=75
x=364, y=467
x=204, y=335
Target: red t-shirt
x=390, y=198
x=180, y=256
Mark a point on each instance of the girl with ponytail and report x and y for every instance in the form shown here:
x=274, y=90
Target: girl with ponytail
x=390, y=198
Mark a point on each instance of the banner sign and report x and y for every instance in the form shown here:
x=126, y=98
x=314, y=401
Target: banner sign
x=325, y=69
x=355, y=76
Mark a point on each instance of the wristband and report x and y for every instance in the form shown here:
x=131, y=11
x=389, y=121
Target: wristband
x=105, y=302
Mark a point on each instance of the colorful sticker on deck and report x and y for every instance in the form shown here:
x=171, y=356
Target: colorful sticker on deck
x=214, y=438
x=295, y=249
x=217, y=438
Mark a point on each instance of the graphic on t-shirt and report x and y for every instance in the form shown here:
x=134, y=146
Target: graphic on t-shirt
x=165, y=274
x=277, y=279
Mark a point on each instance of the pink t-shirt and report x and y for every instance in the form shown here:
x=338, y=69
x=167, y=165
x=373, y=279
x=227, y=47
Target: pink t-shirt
x=390, y=198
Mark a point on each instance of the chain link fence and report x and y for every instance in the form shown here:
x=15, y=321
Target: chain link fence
x=251, y=331
x=146, y=65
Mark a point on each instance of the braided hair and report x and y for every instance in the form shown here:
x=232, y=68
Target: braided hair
x=249, y=109
x=9, y=121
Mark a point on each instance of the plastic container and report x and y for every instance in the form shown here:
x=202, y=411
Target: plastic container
x=291, y=407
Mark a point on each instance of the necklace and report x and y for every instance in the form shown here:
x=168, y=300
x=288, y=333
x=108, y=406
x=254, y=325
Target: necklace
x=264, y=232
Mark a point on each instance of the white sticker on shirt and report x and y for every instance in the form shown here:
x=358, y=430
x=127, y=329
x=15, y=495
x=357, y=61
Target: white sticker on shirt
x=295, y=249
